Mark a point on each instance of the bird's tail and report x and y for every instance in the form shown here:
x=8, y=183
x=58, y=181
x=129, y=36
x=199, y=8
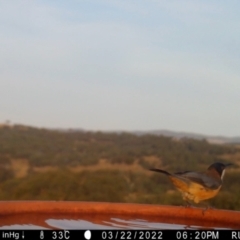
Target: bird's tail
x=160, y=170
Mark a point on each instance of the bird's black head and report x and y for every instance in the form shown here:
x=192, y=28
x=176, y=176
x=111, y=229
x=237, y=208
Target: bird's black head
x=219, y=167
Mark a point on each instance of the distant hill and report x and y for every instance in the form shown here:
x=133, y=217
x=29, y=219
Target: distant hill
x=165, y=133
x=180, y=135
x=173, y=134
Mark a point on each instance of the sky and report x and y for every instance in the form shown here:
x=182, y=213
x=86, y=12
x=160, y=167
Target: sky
x=121, y=65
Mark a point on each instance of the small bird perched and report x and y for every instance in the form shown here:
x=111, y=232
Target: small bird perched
x=198, y=186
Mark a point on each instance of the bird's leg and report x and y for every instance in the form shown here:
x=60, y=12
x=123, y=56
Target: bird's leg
x=206, y=208
x=188, y=204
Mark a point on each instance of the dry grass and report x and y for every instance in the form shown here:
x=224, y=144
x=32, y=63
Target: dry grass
x=104, y=164
x=20, y=167
x=234, y=158
x=153, y=160
x=44, y=169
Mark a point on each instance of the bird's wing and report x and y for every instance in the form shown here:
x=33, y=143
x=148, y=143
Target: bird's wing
x=200, y=178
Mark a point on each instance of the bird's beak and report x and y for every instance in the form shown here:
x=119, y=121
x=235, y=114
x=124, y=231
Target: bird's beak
x=228, y=164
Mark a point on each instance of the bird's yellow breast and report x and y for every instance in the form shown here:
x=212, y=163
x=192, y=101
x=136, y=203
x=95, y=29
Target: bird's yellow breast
x=193, y=191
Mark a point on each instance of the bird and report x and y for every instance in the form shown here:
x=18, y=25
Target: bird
x=198, y=186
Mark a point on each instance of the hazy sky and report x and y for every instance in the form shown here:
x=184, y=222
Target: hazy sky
x=121, y=64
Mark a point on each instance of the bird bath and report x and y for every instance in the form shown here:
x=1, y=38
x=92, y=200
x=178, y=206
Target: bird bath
x=96, y=215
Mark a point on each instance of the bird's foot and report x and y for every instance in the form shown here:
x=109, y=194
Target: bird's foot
x=206, y=208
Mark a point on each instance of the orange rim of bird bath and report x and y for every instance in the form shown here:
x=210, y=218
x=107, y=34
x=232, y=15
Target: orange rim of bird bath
x=36, y=211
